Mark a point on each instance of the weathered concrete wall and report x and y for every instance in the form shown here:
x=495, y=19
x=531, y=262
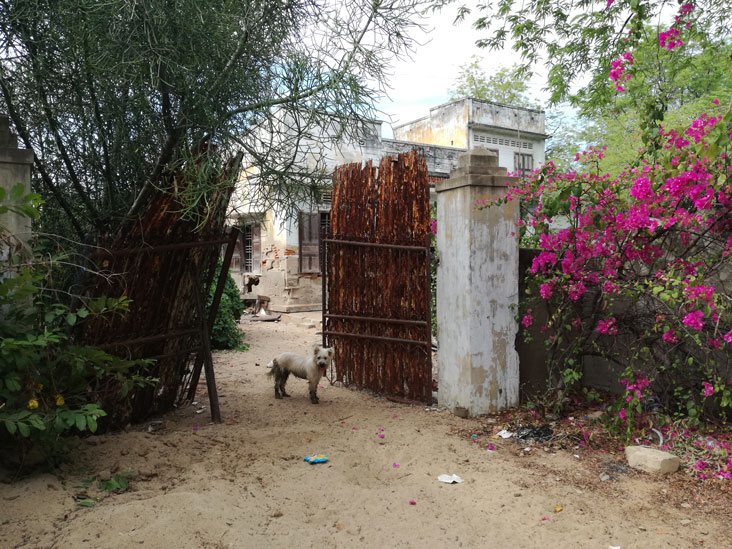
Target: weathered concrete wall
x=441, y=161
x=477, y=289
x=496, y=115
x=474, y=123
x=446, y=125
x=15, y=167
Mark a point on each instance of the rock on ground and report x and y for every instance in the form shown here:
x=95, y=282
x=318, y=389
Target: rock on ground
x=651, y=460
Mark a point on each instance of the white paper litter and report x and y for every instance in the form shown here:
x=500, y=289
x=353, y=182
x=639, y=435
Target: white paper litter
x=505, y=434
x=450, y=479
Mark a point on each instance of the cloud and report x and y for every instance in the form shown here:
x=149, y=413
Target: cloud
x=423, y=80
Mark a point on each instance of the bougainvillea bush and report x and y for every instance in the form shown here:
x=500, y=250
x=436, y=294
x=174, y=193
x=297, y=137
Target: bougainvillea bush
x=638, y=268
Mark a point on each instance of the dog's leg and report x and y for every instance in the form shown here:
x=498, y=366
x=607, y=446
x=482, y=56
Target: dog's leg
x=314, y=393
x=277, y=373
x=284, y=377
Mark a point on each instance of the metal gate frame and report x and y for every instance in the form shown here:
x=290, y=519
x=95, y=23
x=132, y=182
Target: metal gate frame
x=379, y=330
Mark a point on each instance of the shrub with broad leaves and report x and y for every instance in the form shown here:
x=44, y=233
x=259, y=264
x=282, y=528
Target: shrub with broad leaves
x=48, y=384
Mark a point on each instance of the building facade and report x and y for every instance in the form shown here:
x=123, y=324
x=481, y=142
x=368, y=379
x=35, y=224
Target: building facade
x=516, y=134
x=278, y=257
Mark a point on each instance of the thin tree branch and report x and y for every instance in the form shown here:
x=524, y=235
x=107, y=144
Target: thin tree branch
x=45, y=177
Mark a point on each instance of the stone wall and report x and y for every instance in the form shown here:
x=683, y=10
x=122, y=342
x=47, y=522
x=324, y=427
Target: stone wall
x=15, y=167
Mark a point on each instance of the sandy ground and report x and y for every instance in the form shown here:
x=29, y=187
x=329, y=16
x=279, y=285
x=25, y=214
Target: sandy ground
x=243, y=483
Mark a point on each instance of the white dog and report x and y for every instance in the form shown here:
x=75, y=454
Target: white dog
x=311, y=367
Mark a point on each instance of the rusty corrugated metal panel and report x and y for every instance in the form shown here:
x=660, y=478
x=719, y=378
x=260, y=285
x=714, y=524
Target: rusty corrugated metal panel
x=377, y=263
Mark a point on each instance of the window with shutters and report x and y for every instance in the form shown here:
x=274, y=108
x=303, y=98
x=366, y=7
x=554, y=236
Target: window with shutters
x=523, y=163
x=252, y=237
x=310, y=226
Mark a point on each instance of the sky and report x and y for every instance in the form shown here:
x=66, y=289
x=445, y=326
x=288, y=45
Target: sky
x=424, y=80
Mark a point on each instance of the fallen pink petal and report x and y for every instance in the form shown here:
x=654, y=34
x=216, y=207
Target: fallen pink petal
x=354, y=428
x=395, y=465
x=545, y=518
x=381, y=436
x=412, y=502
x=196, y=427
x=394, y=415
x=381, y=429
x=491, y=447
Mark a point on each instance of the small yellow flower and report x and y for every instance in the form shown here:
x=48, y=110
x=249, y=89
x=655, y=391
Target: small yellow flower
x=60, y=400
x=32, y=404
x=38, y=388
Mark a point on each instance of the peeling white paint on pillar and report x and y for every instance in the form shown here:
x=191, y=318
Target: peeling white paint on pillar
x=477, y=288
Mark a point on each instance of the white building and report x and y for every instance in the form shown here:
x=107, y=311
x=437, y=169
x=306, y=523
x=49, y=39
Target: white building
x=516, y=134
x=282, y=253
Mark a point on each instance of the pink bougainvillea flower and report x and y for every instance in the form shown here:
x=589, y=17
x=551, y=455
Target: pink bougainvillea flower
x=395, y=465
x=491, y=447
x=694, y=320
x=669, y=336
x=546, y=290
x=728, y=336
x=621, y=413
x=381, y=429
x=412, y=502
x=607, y=327
x=528, y=320
x=708, y=389
x=382, y=436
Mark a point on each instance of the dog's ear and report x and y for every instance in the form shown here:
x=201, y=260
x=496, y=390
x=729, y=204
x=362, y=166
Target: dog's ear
x=330, y=352
x=316, y=350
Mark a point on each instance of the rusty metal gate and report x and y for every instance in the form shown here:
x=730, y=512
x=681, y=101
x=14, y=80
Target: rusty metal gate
x=376, y=283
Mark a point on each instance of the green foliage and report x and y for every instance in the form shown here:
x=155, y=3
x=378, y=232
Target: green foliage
x=576, y=39
x=225, y=333
x=502, y=86
x=118, y=483
x=666, y=88
x=18, y=202
x=46, y=381
x=111, y=95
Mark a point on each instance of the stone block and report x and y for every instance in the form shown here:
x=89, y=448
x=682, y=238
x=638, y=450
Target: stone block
x=651, y=460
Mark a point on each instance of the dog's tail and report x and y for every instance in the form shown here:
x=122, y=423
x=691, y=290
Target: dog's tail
x=273, y=367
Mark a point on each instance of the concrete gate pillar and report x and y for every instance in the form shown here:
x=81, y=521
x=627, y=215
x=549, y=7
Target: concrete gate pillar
x=15, y=167
x=477, y=288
